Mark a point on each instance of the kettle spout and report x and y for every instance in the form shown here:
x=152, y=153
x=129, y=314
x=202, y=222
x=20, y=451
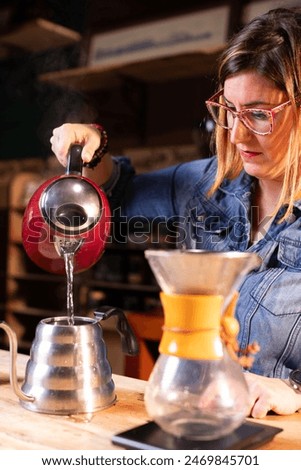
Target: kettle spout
x=13, y=359
x=67, y=246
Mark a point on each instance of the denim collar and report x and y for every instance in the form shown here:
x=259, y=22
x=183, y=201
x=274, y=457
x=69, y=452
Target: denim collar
x=240, y=185
x=243, y=186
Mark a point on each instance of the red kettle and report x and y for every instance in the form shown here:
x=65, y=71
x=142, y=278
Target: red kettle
x=66, y=214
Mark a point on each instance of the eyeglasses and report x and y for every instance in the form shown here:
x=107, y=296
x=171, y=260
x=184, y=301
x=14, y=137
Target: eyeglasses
x=259, y=121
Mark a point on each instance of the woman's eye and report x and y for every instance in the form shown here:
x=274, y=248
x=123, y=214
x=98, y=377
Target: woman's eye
x=258, y=115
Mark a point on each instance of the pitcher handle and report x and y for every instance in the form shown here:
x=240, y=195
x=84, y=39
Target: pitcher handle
x=13, y=359
x=129, y=341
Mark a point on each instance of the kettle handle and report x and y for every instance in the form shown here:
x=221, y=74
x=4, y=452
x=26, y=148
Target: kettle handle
x=128, y=339
x=75, y=162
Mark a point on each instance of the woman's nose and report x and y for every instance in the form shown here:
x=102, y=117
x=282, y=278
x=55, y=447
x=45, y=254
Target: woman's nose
x=239, y=132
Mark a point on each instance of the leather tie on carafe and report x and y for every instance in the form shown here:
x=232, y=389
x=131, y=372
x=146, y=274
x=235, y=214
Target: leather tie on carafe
x=192, y=326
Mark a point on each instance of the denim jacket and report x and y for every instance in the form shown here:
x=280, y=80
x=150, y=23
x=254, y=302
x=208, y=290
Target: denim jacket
x=269, y=305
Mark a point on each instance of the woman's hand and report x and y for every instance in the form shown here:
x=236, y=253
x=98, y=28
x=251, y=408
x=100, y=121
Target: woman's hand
x=68, y=134
x=269, y=394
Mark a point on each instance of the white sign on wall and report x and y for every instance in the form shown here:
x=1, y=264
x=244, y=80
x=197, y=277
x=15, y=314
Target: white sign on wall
x=258, y=8
x=201, y=31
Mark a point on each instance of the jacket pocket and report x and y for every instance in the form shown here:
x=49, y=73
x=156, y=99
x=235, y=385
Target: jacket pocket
x=279, y=291
x=289, y=252
x=215, y=229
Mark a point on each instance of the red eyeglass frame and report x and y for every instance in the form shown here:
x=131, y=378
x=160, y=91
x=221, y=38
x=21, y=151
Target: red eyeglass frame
x=239, y=114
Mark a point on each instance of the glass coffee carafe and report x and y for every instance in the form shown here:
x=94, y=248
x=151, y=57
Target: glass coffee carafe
x=197, y=389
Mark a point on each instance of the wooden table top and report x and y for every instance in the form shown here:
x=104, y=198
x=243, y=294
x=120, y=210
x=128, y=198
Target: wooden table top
x=27, y=430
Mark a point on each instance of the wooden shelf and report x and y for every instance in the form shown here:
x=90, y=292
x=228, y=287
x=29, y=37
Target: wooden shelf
x=40, y=35
x=120, y=286
x=149, y=71
x=21, y=308
x=38, y=277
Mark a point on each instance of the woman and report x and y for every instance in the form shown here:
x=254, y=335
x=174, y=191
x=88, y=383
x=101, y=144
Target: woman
x=248, y=198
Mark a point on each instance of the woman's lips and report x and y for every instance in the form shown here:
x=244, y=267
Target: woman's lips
x=247, y=154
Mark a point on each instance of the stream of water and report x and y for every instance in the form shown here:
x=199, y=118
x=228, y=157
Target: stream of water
x=69, y=266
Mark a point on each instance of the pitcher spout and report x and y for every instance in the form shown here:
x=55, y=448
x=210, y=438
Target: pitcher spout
x=13, y=347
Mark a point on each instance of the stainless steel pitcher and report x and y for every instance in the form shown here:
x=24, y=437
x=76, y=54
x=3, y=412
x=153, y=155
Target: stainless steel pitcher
x=68, y=371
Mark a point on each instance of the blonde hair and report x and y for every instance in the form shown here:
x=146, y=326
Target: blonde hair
x=270, y=45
